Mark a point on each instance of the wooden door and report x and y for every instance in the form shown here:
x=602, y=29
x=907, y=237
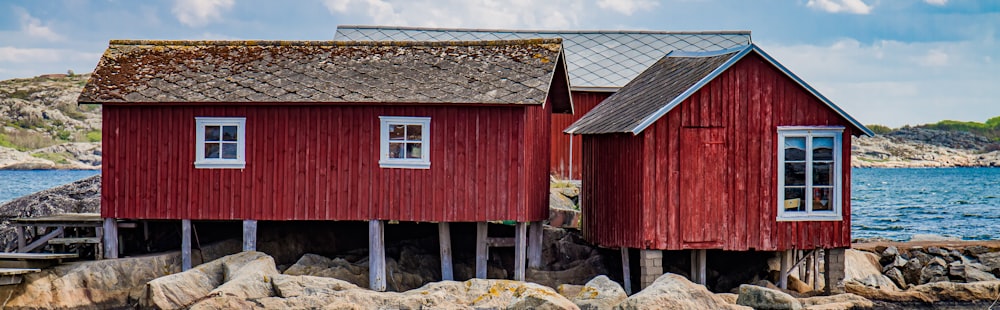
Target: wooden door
x=702, y=188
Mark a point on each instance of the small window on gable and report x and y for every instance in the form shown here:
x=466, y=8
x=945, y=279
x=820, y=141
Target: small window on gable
x=405, y=142
x=221, y=142
x=809, y=173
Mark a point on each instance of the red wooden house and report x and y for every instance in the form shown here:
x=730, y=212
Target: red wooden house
x=335, y=131
x=599, y=62
x=717, y=150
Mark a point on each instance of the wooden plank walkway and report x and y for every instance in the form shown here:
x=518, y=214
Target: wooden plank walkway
x=17, y=271
x=38, y=256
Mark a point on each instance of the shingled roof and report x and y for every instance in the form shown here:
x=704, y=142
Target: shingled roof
x=597, y=59
x=232, y=72
x=667, y=83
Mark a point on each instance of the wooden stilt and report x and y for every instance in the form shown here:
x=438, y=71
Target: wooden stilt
x=783, y=280
x=444, y=239
x=815, y=267
x=535, y=232
x=185, y=245
x=482, y=250
x=702, y=267
x=249, y=235
x=21, y=234
x=626, y=272
x=520, y=249
x=376, y=256
x=110, y=232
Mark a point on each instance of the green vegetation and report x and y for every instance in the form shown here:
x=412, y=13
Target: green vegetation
x=59, y=158
x=94, y=136
x=26, y=140
x=990, y=129
x=879, y=129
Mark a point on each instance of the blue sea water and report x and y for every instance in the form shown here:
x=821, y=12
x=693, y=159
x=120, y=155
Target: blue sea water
x=17, y=183
x=900, y=202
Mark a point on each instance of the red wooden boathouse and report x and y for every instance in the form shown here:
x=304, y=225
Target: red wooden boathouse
x=599, y=62
x=360, y=131
x=717, y=150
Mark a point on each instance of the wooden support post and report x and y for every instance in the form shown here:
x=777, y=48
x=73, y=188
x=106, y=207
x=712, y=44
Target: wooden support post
x=444, y=239
x=376, y=256
x=783, y=274
x=21, y=242
x=698, y=266
x=185, y=245
x=520, y=249
x=110, y=232
x=626, y=272
x=249, y=235
x=482, y=251
x=535, y=234
x=815, y=269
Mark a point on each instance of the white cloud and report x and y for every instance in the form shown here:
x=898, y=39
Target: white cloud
x=936, y=2
x=838, y=6
x=195, y=13
x=17, y=55
x=895, y=83
x=34, y=28
x=934, y=58
x=626, y=7
x=462, y=13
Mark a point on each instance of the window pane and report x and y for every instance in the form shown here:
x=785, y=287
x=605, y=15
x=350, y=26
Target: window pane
x=823, y=174
x=397, y=132
x=395, y=150
x=212, y=150
x=795, y=174
x=822, y=148
x=821, y=199
x=211, y=133
x=413, y=132
x=229, y=150
x=413, y=150
x=793, y=199
x=795, y=148
x=228, y=133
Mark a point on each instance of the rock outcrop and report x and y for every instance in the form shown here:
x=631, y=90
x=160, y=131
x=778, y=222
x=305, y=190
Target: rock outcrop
x=83, y=196
x=672, y=291
x=100, y=284
x=919, y=147
x=599, y=293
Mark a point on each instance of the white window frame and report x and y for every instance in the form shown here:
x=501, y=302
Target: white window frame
x=836, y=214
x=201, y=162
x=424, y=162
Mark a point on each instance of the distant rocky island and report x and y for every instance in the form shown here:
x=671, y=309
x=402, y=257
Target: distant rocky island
x=42, y=127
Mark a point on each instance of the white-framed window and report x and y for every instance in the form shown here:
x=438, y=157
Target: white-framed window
x=810, y=174
x=405, y=142
x=221, y=142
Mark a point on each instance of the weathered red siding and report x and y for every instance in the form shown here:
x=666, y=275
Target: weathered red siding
x=320, y=162
x=562, y=162
x=734, y=120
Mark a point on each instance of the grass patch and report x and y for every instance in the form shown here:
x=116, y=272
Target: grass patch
x=94, y=136
x=26, y=140
x=59, y=158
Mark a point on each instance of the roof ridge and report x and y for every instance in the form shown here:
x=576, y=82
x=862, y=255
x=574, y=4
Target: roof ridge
x=334, y=43
x=723, y=32
x=709, y=53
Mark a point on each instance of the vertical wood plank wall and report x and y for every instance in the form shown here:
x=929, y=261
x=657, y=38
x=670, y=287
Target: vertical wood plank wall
x=320, y=162
x=635, y=199
x=561, y=162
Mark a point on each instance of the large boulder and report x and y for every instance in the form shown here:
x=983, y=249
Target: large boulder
x=991, y=261
x=864, y=267
x=932, y=292
x=672, y=291
x=287, y=286
x=599, y=293
x=248, y=279
x=337, y=268
x=181, y=290
x=839, y=301
x=760, y=297
x=578, y=274
x=109, y=283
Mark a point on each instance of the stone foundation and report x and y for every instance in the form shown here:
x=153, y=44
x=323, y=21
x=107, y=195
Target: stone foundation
x=650, y=266
x=834, y=261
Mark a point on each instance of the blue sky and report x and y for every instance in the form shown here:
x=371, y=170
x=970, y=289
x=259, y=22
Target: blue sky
x=890, y=62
